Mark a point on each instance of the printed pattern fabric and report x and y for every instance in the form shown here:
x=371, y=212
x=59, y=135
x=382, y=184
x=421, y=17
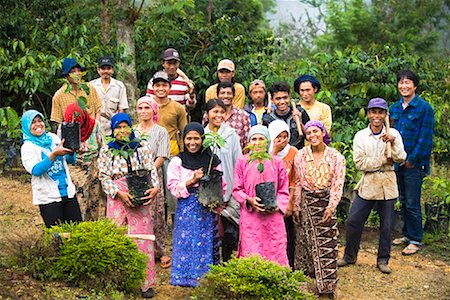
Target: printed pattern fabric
x=139, y=222
x=158, y=211
x=195, y=242
x=316, y=247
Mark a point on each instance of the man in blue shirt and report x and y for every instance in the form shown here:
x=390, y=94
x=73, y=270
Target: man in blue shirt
x=414, y=118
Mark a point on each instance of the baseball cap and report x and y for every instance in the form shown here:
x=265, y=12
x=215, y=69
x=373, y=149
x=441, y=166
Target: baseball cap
x=105, y=61
x=68, y=64
x=226, y=64
x=377, y=103
x=160, y=76
x=256, y=83
x=170, y=53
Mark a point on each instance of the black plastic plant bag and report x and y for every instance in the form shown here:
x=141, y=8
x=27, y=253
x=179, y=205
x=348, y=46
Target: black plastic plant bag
x=70, y=132
x=210, y=191
x=138, y=182
x=266, y=192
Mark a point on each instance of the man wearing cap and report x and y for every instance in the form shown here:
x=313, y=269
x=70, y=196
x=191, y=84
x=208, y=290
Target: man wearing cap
x=181, y=89
x=414, y=118
x=307, y=87
x=72, y=71
x=112, y=92
x=225, y=72
x=258, y=103
x=378, y=185
x=281, y=98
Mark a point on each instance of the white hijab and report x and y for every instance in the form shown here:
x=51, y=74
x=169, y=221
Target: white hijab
x=275, y=128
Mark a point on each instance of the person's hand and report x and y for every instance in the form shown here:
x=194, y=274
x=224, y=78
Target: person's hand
x=409, y=165
x=327, y=215
x=255, y=202
x=198, y=174
x=277, y=146
x=390, y=161
x=60, y=150
x=289, y=209
x=125, y=197
x=151, y=194
x=296, y=113
x=296, y=217
x=387, y=138
x=270, y=211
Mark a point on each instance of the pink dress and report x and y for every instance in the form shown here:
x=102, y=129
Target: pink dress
x=261, y=234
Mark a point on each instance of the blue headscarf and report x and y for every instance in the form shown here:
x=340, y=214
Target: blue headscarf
x=115, y=121
x=45, y=140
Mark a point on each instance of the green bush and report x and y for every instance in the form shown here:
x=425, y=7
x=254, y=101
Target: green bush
x=252, y=278
x=97, y=255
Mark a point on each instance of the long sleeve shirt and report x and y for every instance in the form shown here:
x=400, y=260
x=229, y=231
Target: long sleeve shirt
x=415, y=123
x=378, y=181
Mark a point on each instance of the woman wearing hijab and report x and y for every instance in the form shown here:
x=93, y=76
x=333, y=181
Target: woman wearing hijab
x=113, y=167
x=195, y=243
x=320, y=172
x=280, y=135
x=85, y=172
x=261, y=231
x=158, y=138
x=45, y=158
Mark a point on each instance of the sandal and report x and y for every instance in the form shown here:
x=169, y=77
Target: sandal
x=411, y=249
x=399, y=241
x=166, y=262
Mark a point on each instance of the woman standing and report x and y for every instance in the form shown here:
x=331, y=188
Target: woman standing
x=261, y=231
x=195, y=236
x=45, y=158
x=85, y=172
x=280, y=135
x=112, y=172
x=320, y=174
x=228, y=155
x=158, y=139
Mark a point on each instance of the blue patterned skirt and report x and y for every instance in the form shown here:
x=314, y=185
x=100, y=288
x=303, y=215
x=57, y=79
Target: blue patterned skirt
x=195, y=244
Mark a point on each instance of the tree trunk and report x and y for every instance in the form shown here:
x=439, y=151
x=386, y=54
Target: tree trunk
x=106, y=23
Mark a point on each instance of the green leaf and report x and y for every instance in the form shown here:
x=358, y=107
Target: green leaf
x=82, y=102
x=260, y=167
x=85, y=88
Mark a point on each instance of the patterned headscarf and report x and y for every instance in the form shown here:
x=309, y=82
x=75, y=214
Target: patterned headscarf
x=326, y=138
x=45, y=140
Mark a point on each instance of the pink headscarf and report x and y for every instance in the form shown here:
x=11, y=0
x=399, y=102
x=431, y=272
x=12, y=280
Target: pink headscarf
x=148, y=100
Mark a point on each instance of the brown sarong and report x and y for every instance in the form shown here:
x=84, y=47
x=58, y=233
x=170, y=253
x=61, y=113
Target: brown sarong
x=316, y=247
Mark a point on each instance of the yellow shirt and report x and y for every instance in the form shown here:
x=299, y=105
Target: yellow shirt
x=320, y=112
x=239, y=95
x=172, y=116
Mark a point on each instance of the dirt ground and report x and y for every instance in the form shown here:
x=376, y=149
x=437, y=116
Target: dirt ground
x=414, y=277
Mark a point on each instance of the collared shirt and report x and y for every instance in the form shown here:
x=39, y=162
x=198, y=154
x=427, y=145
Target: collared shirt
x=179, y=91
x=320, y=112
x=416, y=126
x=61, y=100
x=114, y=98
x=239, y=94
x=378, y=181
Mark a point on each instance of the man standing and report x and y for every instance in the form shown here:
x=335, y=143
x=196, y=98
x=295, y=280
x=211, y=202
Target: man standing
x=281, y=98
x=258, y=103
x=180, y=91
x=225, y=72
x=112, y=92
x=414, y=118
x=307, y=87
x=72, y=70
x=236, y=118
x=378, y=185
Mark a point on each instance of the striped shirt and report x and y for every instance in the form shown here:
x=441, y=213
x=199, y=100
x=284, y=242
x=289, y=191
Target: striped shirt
x=179, y=91
x=158, y=138
x=415, y=123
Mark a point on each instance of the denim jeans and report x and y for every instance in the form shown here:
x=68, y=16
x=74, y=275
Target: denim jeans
x=410, y=189
x=358, y=215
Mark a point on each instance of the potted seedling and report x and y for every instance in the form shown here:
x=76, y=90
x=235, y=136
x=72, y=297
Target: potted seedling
x=210, y=192
x=70, y=131
x=138, y=181
x=266, y=189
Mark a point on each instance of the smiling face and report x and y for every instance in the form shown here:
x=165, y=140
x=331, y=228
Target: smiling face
x=226, y=95
x=105, y=72
x=123, y=131
x=193, y=141
x=307, y=92
x=376, y=118
x=37, y=127
x=281, y=101
x=406, y=88
x=144, y=111
x=161, y=89
x=216, y=116
x=315, y=135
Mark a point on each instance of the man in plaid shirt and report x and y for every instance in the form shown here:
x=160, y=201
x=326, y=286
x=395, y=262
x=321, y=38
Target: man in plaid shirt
x=414, y=118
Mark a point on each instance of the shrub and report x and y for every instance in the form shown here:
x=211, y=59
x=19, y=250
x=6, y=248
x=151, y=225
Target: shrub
x=252, y=278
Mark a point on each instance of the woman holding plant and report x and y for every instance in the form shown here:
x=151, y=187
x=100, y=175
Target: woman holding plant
x=228, y=154
x=195, y=234
x=158, y=138
x=261, y=188
x=123, y=158
x=320, y=172
x=85, y=172
x=45, y=158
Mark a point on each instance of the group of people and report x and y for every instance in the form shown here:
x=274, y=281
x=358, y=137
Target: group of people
x=273, y=144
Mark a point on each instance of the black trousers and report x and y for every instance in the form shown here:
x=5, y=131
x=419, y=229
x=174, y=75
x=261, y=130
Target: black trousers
x=67, y=210
x=290, y=232
x=230, y=238
x=358, y=215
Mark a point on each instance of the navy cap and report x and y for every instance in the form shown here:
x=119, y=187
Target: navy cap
x=68, y=64
x=160, y=76
x=315, y=83
x=105, y=61
x=377, y=103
